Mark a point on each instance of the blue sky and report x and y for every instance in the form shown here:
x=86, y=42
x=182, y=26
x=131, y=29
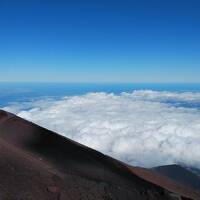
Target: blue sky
x=100, y=41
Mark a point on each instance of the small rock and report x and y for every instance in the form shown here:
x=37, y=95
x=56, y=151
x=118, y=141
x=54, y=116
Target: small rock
x=53, y=189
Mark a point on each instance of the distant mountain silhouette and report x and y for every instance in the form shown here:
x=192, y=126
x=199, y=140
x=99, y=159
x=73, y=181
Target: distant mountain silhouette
x=38, y=164
x=194, y=170
x=181, y=174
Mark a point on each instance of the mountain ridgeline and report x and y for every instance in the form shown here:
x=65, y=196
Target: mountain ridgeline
x=38, y=164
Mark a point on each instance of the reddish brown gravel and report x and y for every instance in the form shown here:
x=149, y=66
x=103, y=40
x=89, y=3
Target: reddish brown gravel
x=38, y=164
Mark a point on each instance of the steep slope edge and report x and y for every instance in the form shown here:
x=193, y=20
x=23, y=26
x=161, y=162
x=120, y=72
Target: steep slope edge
x=36, y=163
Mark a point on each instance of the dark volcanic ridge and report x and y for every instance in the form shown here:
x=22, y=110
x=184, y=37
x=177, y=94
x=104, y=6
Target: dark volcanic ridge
x=38, y=164
x=185, y=176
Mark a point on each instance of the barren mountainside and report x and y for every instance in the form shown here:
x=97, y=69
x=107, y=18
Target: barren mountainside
x=38, y=164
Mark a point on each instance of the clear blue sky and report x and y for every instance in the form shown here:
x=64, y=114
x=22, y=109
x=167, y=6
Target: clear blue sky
x=100, y=41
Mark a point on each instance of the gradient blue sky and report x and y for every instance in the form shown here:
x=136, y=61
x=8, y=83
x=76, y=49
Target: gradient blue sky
x=100, y=41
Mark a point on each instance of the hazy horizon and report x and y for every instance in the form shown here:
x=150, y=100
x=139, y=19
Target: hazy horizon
x=126, y=121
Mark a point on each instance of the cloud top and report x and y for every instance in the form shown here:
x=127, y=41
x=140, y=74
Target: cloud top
x=143, y=128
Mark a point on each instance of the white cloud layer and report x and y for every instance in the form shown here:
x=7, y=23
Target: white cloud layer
x=140, y=128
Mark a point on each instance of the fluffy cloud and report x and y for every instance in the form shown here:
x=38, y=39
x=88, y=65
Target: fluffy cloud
x=144, y=128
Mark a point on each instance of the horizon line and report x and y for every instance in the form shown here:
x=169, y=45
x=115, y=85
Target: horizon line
x=83, y=82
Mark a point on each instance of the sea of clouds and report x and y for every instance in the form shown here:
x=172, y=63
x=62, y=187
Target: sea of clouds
x=144, y=128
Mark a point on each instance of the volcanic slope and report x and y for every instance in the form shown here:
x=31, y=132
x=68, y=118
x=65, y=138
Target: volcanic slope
x=38, y=164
